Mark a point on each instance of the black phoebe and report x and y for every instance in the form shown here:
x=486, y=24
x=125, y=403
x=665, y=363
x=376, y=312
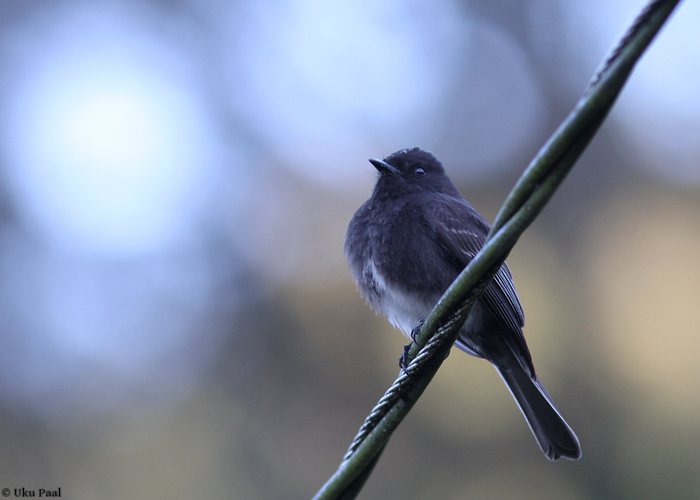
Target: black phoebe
x=405, y=246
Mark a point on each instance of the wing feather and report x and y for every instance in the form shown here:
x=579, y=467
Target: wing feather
x=462, y=245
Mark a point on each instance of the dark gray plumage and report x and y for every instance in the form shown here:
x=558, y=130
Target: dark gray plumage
x=405, y=246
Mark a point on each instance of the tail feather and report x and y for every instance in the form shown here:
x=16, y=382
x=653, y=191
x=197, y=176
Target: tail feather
x=553, y=434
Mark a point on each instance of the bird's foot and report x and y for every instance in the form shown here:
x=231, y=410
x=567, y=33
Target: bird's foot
x=403, y=359
x=416, y=330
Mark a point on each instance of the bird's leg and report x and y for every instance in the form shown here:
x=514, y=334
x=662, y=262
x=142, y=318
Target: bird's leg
x=403, y=360
x=416, y=330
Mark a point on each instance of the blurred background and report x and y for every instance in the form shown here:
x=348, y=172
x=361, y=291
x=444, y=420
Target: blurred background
x=176, y=315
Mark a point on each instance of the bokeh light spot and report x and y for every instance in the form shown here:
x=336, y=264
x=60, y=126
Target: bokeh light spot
x=110, y=152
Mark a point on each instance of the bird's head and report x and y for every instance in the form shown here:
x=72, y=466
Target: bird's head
x=412, y=170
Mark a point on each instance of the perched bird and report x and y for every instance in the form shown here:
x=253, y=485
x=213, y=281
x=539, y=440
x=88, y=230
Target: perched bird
x=405, y=246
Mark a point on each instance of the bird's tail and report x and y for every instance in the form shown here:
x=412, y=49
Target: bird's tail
x=553, y=434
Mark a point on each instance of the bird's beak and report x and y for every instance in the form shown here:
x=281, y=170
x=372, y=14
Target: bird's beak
x=383, y=167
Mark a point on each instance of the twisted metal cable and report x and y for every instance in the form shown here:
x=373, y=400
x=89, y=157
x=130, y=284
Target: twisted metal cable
x=405, y=378
x=639, y=22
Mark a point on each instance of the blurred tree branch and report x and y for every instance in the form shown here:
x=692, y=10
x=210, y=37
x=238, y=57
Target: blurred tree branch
x=527, y=199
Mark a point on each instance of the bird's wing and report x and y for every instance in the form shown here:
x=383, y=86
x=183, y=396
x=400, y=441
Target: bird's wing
x=462, y=244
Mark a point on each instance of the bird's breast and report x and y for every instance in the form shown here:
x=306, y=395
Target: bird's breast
x=403, y=309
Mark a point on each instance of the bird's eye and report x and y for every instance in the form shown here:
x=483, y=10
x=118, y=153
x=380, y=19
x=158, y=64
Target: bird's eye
x=420, y=171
